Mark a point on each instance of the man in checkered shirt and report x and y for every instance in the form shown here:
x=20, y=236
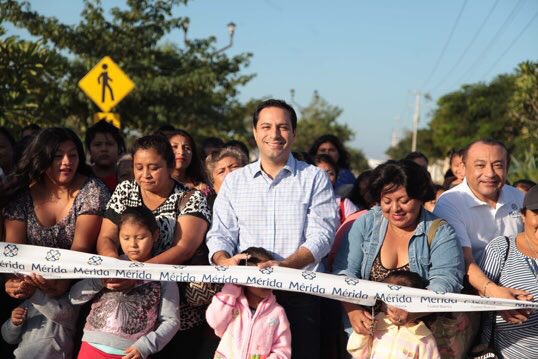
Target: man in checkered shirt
x=283, y=205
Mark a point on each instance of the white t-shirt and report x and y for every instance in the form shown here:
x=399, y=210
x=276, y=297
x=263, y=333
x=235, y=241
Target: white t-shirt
x=475, y=222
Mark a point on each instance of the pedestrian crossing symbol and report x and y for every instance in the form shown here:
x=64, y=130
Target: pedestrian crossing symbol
x=106, y=84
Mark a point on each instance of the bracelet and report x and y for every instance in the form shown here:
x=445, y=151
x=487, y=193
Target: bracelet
x=485, y=287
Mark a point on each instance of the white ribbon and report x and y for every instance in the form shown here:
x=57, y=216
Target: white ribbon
x=65, y=264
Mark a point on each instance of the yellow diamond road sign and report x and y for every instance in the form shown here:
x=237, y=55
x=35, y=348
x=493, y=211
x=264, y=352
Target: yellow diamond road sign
x=113, y=118
x=106, y=84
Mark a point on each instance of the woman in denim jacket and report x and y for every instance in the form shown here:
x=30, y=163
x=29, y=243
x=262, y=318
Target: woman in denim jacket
x=393, y=236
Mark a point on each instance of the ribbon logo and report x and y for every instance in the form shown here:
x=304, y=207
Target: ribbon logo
x=11, y=250
x=53, y=255
x=95, y=261
x=308, y=275
x=266, y=270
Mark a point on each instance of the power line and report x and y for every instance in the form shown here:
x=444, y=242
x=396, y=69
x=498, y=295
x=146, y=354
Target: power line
x=468, y=46
x=446, y=44
x=501, y=29
x=511, y=44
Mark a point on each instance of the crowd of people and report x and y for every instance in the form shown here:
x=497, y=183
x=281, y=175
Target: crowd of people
x=169, y=201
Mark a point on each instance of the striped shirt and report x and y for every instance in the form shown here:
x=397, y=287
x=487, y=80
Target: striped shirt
x=296, y=208
x=512, y=340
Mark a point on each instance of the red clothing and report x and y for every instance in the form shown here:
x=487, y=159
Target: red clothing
x=340, y=233
x=89, y=352
x=110, y=181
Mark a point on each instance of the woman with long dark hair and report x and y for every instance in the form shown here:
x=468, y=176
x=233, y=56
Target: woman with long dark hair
x=50, y=199
x=332, y=146
x=189, y=168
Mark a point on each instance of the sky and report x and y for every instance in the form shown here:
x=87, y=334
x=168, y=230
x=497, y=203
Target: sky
x=367, y=57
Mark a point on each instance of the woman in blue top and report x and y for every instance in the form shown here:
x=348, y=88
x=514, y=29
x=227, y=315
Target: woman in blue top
x=393, y=236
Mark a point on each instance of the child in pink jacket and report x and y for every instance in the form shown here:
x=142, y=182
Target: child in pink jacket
x=249, y=321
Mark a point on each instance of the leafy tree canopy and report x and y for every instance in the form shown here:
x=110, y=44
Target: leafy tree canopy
x=320, y=118
x=189, y=86
x=505, y=109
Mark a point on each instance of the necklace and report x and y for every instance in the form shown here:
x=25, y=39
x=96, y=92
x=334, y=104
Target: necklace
x=531, y=262
x=530, y=245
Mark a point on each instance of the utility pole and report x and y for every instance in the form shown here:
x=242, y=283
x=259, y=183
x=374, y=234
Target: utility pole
x=395, y=138
x=416, y=118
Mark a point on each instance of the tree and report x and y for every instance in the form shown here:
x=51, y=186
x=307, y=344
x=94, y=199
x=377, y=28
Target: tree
x=424, y=144
x=320, y=118
x=475, y=111
x=505, y=109
x=191, y=87
x=28, y=83
x=523, y=105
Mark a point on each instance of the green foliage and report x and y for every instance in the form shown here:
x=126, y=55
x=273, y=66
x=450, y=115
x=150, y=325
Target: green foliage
x=320, y=118
x=525, y=167
x=475, y=111
x=28, y=83
x=424, y=144
x=523, y=106
x=505, y=109
x=192, y=86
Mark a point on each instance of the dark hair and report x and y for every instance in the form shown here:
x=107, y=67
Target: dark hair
x=303, y=156
x=37, y=158
x=455, y=153
x=414, y=178
x=140, y=215
x=526, y=183
x=343, y=155
x=489, y=142
x=438, y=187
x=257, y=255
x=275, y=103
x=411, y=156
x=209, y=142
x=325, y=158
x=5, y=132
x=105, y=128
x=32, y=128
x=406, y=279
x=238, y=145
x=22, y=144
x=195, y=171
x=160, y=144
x=359, y=194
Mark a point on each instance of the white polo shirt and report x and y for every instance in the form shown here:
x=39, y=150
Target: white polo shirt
x=474, y=221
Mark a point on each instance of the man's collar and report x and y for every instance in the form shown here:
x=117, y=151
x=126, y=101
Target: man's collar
x=473, y=201
x=290, y=166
